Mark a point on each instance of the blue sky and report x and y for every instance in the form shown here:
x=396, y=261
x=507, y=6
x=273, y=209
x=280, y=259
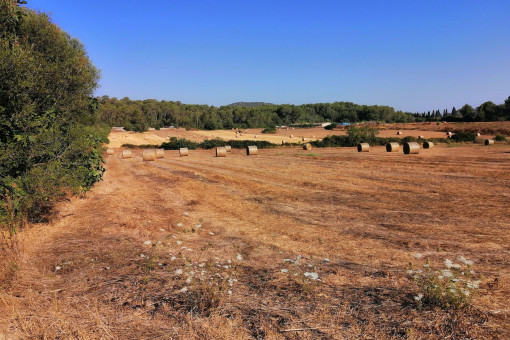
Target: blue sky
x=412, y=55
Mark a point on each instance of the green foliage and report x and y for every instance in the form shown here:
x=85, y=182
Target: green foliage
x=269, y=130
x=364, y=134
x=50, y=141
x=138, y=115
x=331, y=126
x=451, y=286
x=464, y=136
x=500, y=138
x=175, y=144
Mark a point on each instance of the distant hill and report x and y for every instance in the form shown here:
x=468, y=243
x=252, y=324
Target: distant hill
x=249, y=104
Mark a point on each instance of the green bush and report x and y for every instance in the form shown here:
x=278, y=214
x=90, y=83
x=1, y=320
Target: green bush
x=500, y=138
x=331, y=126
x=50, y=141
x=269, y=130
x=464, y=136
x=177, y=143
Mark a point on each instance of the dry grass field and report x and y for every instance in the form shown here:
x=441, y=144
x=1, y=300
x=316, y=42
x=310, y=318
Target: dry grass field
x=289, y=244
x=428, y=130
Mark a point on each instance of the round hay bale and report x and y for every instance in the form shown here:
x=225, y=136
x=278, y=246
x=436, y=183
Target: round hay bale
x=411, y=148
x=304, y=139
x=252, y=150
x=291, y=136
x=109, y=151
x=449, y=133
x=399, y=132
x=478, y=134
x=307, y=146
x=313, y=136
x=160, y=153
x=228, y=148
x=283, y=142
x=237, y=136
x=145, y=137
x=221, y=151
x=428, y=145
x=149, y=155
x=256, y=136
x=183, y=152
x=489, y=141
x=363, y=147
x=421, y=137
x=392, y=147
x=126, y=154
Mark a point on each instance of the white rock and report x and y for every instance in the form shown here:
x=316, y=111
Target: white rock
x=239, y=257
x=58, y=267
x=183, y=290
x=178, y=272
x=179, y=243
x=326, y=260
x=284, y=270
x=312, y=275
x=186, y=213
x=211, y=233
x=179, y=224
x=147, y=243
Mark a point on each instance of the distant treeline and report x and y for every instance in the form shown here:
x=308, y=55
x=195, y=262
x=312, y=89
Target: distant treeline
x=487, y=112
x=138, y=115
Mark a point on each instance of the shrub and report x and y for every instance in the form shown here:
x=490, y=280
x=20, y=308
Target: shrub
x=331, y=126
x=269, y=130
x=176, y=143
x=451, y=286
x=464, y=136
x=500, y=138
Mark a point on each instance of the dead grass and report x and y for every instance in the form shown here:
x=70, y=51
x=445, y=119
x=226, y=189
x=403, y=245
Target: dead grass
x=239, y=233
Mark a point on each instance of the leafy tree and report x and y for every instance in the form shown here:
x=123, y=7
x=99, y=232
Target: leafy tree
x=49, y=142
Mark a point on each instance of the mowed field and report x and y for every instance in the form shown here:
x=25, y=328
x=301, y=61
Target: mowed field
x=288, y=244
x=296, y=135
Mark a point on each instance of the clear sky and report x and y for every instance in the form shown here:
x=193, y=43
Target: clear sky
x=412, y=55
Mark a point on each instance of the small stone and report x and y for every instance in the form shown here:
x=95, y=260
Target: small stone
x=179, y=243
x=147, y=243
x=161, y=229
x=186, y=213
x=312, y=275
x=178, y=272
x=239, y=257
x=173, y=258
x=211, y=233
x=326, y=260
x=284, y=270
x=198, y=226
x=183, y=290
x=179, y=224
x=58, y=267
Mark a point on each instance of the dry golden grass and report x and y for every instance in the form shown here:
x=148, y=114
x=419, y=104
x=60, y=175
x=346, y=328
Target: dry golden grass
x=233, y=224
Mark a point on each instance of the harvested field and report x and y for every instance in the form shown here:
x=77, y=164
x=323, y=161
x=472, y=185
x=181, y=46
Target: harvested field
x=284, y=245
x=427, y=130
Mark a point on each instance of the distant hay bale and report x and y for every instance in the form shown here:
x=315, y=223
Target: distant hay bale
x=283, y=142
x=109, y=151
x=183, y=152
x=449, y=133
x=307, y=146
x=126, y=154
x=256, y=136
x=221, y=151
x=478, y=134
x=291, y=136
x=252, y=150
x=149, y=155
x=304, y=139
x=421, y=137
x=145, y=137
x=160, y=153
x=392, y=147
x=489, y=141
x=399, y=132
x=313, y=136
x=228, y=148
x=237, y=136
x=428, y=145
x=411, y=148
x=363, y=147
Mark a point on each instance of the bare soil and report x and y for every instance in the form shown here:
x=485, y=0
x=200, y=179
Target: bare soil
x=232, y=238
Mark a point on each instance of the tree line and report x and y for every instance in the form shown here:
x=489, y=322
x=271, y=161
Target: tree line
x=487, y=112
x=50, y=135
x=138, y=115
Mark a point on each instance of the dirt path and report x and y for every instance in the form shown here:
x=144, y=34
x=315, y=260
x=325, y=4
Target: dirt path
x=205, y=247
